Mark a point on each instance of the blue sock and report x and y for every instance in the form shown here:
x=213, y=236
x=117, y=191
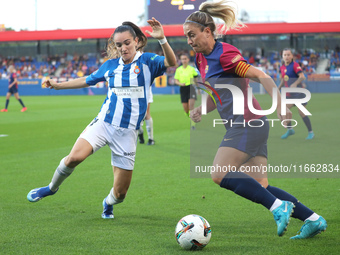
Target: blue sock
x=307, y=122
x=247, y=187
x=289, y=124
x=20, y=101
x=7, y=102
x=301, y=211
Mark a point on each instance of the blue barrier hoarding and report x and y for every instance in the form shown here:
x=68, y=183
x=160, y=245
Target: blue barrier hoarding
x=32, y=87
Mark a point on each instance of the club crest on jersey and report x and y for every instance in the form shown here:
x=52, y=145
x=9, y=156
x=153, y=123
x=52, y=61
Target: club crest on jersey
x=206, y=69
x=137, y=70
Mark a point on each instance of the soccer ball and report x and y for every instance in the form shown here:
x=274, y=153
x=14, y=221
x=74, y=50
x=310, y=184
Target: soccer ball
x=193, y=232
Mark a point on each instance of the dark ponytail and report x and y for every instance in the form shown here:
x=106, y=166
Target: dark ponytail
x=134, y=30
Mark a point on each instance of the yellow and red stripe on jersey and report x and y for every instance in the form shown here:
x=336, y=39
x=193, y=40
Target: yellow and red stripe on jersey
x=242, y=68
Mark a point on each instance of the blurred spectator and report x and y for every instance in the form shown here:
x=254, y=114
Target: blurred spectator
x=334, y=65
x=73, y=66
x=251, y=59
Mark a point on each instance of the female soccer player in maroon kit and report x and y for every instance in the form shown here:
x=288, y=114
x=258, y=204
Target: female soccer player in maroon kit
x=292, y=76
x=13, y=89
x=242, y=145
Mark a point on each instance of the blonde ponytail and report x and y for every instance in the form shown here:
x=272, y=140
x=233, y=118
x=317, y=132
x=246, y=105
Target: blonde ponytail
x=221, y=10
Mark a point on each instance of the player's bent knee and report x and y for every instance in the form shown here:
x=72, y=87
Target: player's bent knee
x=73, y=160
x=217, y=180
x=217, y=176
x=263, y=182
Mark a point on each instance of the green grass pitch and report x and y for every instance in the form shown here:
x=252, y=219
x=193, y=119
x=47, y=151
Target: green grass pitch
x=161, y=191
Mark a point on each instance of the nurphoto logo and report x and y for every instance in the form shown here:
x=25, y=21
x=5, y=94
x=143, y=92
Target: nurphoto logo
x=239, y=100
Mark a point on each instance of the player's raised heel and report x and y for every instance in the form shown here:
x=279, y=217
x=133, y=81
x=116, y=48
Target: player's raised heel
x=288, y=133
x=282, y=216
x=311, y=228
x=107, y=210
x=39, y=193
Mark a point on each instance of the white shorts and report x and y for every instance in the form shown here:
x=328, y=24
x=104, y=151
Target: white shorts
x=122, y=142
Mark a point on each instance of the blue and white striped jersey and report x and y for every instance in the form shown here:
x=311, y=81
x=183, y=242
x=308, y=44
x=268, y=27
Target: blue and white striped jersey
x=127, y=97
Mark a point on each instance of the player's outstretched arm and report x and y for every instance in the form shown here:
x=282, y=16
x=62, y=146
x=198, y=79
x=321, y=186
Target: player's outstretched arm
x=196, y=114
x=158, y=33
x=281, y=84
x=268, y=83
x=12, y=84
x=73, y=84
x=300, y=79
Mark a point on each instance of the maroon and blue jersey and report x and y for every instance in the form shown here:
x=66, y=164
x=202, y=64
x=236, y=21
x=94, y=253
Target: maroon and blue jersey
x=290, y=73
x=225, y=65
x=12, y=77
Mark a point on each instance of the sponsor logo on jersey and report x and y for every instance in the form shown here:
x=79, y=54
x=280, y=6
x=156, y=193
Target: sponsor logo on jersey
x=129, y=92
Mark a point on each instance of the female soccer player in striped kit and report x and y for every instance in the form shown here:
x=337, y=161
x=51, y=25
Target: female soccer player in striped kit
x=243, y=145
x=292, y=76
x=129, y=73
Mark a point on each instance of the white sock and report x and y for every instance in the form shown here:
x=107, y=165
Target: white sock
x=149, y=128
x=112, y=200
x=60, y=174
x=313, y=217
x=275, y=205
